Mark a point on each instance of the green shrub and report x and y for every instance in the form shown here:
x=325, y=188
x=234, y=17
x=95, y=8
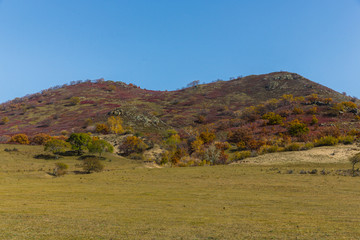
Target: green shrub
x=297, y=128
x=273, y=118
x=241, y=155
x=347, y=139
x=100, y=146
x=326, y=141
x=56, y=146
x=92, y=165
x=293, y=147
x=314, y=120
x=60, y=169
x=308, y=145
x=74, y=101
x=269, y=149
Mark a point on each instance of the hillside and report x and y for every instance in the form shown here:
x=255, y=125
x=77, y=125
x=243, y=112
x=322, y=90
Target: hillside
x=79, y=106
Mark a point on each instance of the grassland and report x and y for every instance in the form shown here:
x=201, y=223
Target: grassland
x=131, y=201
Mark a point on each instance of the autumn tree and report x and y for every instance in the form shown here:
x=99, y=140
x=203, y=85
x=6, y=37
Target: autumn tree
x=207, y=137
x=197, y=145
x=79, y=141
x=102, y=128
x=212, y=154
x=115, y=124
x=132, y=144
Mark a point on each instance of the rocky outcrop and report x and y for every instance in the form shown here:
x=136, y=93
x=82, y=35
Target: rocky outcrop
x=134, y=117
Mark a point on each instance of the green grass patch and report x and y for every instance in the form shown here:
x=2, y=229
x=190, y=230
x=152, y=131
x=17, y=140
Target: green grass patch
x=129, y=201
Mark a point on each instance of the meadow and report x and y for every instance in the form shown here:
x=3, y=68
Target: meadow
x=132, y=200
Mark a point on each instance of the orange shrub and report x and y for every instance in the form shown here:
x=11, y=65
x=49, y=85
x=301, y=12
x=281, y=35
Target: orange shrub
x=40, y=139
x=20, y=138
x=207, y=137
x=132, y=144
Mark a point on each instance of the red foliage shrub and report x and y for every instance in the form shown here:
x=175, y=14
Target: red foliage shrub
x=239, y=135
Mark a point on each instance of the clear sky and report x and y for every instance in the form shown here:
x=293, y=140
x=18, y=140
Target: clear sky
x=165, y=44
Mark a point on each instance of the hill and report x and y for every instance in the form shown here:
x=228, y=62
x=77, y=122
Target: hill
x=77, y=106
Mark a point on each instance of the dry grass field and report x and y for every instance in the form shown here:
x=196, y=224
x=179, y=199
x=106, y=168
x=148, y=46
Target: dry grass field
x=131, y=201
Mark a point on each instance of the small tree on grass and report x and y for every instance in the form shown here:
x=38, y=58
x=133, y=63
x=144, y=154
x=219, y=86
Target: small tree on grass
x=92, y=165
x=354, y=160
x=100, y=146
x=79, y=141
x=60, y=169
x=56, y=146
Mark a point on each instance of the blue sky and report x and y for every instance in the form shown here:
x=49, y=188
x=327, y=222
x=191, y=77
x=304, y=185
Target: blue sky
x=165, y=44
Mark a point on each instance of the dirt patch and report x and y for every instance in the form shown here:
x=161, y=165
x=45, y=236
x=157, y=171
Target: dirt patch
x=333, y=154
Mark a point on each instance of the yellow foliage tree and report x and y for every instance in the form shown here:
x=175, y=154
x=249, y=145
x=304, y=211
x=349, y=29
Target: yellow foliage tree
x=197, y=145
x=115, y=124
